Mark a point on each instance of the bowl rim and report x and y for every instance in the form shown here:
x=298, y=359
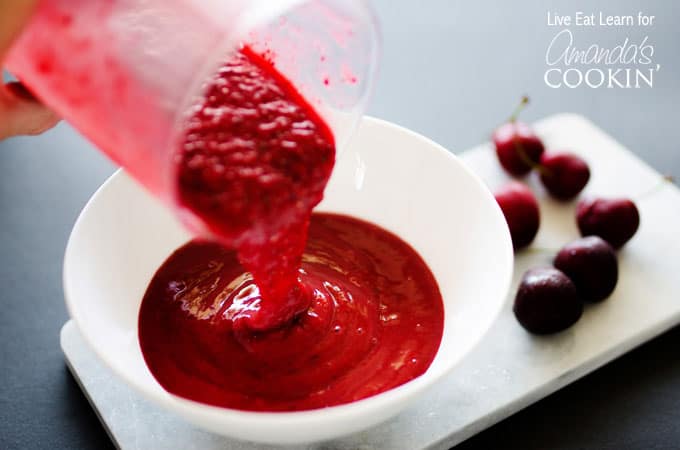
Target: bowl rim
x=374, y=402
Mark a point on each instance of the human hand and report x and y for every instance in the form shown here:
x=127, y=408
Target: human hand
x=20, y=111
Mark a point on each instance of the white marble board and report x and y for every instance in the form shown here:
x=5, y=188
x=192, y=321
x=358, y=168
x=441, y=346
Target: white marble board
x=510, y=369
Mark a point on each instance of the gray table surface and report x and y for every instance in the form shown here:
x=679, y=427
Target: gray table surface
x=451, y=70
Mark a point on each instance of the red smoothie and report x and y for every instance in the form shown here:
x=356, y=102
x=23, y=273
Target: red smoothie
x=375, y=322
x=281, y=314
x=255, y=161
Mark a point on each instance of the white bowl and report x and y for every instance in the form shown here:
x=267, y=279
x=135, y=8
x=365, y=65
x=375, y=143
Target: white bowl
x=388, y=175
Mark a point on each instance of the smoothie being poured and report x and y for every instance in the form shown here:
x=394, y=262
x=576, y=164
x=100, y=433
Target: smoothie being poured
x=283, y=323
x=253, y=163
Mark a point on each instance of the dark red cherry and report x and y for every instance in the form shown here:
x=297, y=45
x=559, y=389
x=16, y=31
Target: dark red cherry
x=520, y=209
x=614, y=220
x=517, y=147
x=563, y=174
x=591, y=264
x=547, y=301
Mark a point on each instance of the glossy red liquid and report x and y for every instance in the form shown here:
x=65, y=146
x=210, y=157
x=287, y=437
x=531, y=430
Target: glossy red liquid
x=255, y=161
x=375, y=322
x=263, y=327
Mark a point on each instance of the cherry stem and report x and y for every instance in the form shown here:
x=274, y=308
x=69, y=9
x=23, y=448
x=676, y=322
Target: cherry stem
x=524, y=102
x=519, y=148
x=665, y=179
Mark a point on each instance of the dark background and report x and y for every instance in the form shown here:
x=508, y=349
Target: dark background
x=451, y=70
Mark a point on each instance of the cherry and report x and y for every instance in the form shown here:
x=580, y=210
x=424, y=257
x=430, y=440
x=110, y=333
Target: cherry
x=520, y=209
x=563, y=174
x=547, y=301
x=614, y=220
x=591, y=264
x=517, y=147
